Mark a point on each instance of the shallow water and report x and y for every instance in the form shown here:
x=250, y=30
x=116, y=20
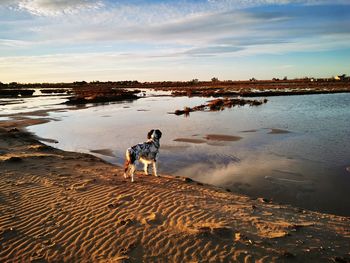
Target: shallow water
x=306, y=166
x=30, y=104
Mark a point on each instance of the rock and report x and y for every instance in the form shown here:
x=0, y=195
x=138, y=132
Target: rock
x=3, y=152
x=14, y=159
x=187, y=180
x=286, y=254
x=341, y=259
x=111, y=206
x=223, y=231
x=13, y=130
x=237, y=236
x=8, y=233
x=264, y=200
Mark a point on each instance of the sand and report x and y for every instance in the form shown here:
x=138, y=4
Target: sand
x=58, y=206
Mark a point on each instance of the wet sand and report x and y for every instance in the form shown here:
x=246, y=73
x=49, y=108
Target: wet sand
x=222, y=137
x=106, y=152
x=278, y=131
x=249, y=131
x=58, y=206
x=189, y=140
x=211, y=139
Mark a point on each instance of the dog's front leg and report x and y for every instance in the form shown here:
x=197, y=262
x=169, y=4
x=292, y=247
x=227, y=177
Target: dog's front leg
x=155, y=168
x=145, y=168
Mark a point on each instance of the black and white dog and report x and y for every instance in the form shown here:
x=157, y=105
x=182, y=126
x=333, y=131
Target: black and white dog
x=146, y=153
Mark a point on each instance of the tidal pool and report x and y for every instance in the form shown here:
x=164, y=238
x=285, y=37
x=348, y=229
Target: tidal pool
x=293, y=149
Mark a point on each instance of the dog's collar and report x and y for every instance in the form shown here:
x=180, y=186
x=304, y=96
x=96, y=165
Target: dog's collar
x=155, y=141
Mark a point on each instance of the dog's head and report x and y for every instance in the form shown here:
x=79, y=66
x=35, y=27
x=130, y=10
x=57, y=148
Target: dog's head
x=154, y=134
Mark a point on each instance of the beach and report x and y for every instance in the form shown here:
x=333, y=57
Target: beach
x=241, y=108
x=59, y=206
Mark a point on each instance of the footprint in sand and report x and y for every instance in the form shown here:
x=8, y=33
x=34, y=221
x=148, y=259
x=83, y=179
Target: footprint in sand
x=37, y=256
x=126, y=198
x=210, y=229
x=83, y=186
x=126, y=222
x=114, y=205
x=152, y=219
x=120, y=200
x=276, y=234
x=8, y=233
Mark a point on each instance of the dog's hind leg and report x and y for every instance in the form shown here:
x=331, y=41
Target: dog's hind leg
x=126, y=169
x=132, y=171
x=127, y=164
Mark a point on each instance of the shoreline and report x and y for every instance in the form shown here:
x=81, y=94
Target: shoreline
x=68, y=206
x=104, y=92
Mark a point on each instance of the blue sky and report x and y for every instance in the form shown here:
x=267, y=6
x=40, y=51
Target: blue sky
x=69, y=40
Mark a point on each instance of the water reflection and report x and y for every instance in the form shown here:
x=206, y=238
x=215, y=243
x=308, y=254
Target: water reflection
x=293, y=149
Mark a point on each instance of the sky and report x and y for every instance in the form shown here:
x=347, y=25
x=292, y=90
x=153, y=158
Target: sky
x=75, y=40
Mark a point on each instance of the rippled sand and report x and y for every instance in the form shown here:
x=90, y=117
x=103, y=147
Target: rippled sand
x=60, y=206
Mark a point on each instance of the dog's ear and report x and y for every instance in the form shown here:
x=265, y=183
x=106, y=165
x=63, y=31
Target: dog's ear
x=149, y=135
x=159, y=134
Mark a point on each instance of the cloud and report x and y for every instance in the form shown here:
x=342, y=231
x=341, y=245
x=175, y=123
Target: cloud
x=148, y=10
x=14, y=43
x=144, y=66
x=168, y=31
x=213, y=50
x=275, y=30
x=53, y=7
x=234, y=32
x=201, y=28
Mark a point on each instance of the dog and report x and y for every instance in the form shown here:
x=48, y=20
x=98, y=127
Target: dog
x=146, y=153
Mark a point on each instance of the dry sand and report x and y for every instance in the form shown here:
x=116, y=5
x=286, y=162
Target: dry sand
x=58, y=206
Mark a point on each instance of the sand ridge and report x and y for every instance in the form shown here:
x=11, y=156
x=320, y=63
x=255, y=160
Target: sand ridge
x=58, y=206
